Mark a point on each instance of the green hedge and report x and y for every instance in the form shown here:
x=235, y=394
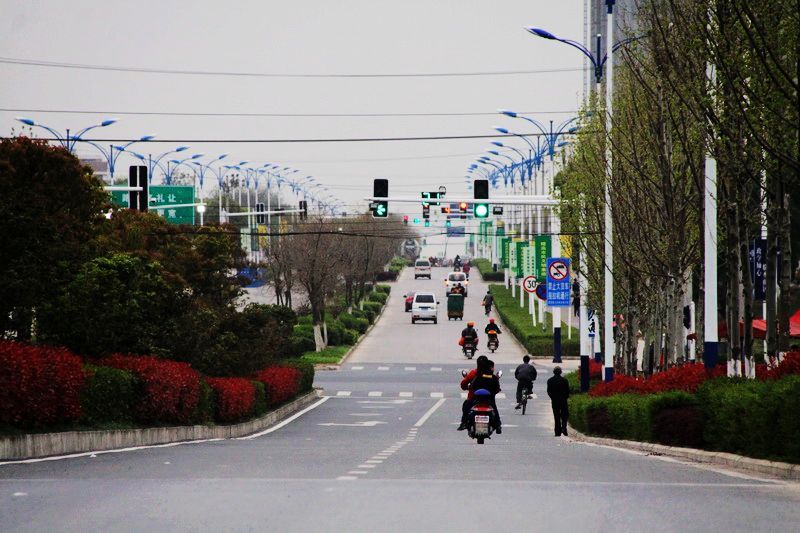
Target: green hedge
x=384, y=288
x=672, y=418
x=261, y=404
x=753, y=418
x=484, y=266
x=377, y=296
x=375, y=307
x=307, y=371
x=350, y=321
x=109, y=395
x=537, y=341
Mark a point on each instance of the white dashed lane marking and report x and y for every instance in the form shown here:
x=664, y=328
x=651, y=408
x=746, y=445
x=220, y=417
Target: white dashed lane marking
x=357, y=368
x=406, y=394
x=343, y=393
x=383, y=368
x=375, y=394
x=410, y=368
x=437, y=395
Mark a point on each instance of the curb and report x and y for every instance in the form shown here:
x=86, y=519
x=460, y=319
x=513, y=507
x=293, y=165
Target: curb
x=776, y=469
x=68, y=442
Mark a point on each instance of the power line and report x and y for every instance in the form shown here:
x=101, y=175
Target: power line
x=186, y=72
x=273, y=115
x=319, y=140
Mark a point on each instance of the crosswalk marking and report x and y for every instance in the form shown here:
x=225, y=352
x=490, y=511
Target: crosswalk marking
x=411, y=368
x=406, y=394
x=437, y=395
x=383, y=368
x=375, y=394
x=436, y=369
x=343, y=393
x=358, y=368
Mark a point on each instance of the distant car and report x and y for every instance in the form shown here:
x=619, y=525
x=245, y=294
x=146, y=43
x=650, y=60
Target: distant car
x=409, y=301
x=422, y=269
x=453, y=279
x=424, y=307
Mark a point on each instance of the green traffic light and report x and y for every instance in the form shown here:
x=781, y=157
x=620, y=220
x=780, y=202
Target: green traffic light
x=427, y=223
x=481, y=210
x=381, y=210
x=448, y=223
x=416, y=221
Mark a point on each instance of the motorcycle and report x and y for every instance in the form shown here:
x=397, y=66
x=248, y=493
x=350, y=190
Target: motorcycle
x=469, y=348
x=493, y=343
x=481, y=420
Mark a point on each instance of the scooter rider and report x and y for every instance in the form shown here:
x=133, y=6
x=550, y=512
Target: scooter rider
x=486, y=379
x=469, y=334
x=492, y=330
x=526, y=375
x=481, y=377
x=467, y=405
x=488, y=300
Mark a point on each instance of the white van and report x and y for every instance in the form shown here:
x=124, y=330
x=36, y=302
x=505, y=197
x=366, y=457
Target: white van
x=422, y=269
x=424, y=307
x=453, y=279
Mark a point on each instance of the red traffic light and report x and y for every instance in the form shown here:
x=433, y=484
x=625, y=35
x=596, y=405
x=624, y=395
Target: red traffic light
x=405, y=219
x=463, y=206
x=446, y=210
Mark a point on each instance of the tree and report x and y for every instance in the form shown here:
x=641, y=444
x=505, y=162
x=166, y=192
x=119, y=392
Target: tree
x=50, y=206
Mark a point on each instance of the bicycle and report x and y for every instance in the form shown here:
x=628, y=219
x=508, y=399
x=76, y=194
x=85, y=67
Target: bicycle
x=527, y=394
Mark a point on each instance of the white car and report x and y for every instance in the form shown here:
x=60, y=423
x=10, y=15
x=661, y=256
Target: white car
x=422, y=269
x=424, y=307
x=453, y=279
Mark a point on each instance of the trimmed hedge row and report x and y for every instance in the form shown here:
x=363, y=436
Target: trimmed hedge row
x=43, y=387
x=752, y=418
x=536, y=340
x=484, y=266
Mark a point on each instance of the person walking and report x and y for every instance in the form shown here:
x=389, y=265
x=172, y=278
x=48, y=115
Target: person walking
x=558, y=390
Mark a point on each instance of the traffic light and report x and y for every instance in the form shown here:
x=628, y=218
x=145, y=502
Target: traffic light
x=303, y=209
x=416, y=221
x=446, y=210
x=260, y=217
x=463, y=207
x=448, y=223
x=137, y=177
x=481, y=189
x=426, y=211
x=405, y=220
x=427, y=223
x=380, y=189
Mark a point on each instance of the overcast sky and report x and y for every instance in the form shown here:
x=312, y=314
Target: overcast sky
x=297, y=37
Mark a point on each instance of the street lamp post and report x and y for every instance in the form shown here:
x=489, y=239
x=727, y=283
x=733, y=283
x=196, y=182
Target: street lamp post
x=66, y=140
x=608, y=271
x=151, y=163
x=111, y=157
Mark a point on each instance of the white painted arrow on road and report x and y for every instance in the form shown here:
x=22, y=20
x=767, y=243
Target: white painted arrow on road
x=365, y=424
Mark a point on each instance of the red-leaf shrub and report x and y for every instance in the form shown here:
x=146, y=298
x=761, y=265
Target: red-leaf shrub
x=282, y=382
x=621, y=384
x=686, y=378
x=788, y=366
x=171, y=390
x=595, y=369
x=39, y=385
x=235, y=398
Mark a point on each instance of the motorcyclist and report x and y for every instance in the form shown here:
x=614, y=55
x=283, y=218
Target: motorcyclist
x=488, y=300
x=466, y=268
x=457, y=289
x=457, y=262
x=467, y=405
x=486, y=379
x=469, y=334
x=526, y=375
x=492, y=330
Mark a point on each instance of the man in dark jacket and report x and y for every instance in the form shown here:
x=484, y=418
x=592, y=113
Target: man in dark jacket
x=558, y=390
x=526, y=375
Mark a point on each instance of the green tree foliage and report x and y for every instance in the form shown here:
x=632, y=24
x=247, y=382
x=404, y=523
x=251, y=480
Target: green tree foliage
x=50, y=206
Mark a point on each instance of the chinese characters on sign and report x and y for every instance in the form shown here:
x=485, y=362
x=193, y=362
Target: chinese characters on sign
x=559, y=285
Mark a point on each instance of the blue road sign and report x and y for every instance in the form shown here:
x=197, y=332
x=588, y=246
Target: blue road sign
x=558, y=282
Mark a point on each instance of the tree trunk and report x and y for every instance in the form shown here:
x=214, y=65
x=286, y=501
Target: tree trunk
x=772, y=266
x=747, y=367
x=786, y=277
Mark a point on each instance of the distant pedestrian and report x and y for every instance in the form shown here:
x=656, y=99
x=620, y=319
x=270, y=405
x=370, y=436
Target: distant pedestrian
x=558, y=390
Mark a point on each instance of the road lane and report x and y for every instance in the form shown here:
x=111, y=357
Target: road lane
x=383, y=454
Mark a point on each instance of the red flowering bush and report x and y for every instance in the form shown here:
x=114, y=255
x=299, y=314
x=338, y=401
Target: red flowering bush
x=621, y=384
x=282, y=382
x=789, y=365
x=171, y=390
x=595, y=369
x=686, y=378
x=235, y=398
x=39, y=385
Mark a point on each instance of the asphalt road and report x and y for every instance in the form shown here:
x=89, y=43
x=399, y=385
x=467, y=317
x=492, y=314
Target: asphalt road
x=380, y=453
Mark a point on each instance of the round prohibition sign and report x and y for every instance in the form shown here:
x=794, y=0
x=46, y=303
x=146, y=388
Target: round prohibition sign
x=529, y=284
x=558, y=270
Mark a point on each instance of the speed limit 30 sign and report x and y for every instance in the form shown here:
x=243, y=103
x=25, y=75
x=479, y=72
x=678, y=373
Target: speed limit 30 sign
x=529, y=284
